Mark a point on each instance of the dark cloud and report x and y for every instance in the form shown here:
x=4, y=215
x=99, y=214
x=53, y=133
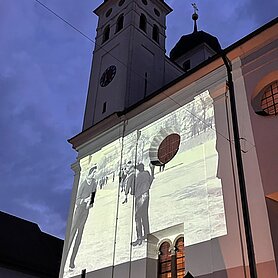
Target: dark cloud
x=229, y=20
x=43, y=83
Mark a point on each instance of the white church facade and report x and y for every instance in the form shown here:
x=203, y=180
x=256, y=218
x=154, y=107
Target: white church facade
x=156, y=191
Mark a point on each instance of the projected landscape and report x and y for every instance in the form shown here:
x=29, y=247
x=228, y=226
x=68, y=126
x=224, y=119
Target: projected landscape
x=136, y=193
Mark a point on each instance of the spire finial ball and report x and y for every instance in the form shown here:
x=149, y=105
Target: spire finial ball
x=195, y=16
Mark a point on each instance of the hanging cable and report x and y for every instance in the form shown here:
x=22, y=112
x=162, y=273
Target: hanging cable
x=133, y=205
x=234, y=183
x=122, y=135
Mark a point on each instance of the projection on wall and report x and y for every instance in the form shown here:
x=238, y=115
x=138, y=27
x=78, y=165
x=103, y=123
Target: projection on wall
x=156, y=177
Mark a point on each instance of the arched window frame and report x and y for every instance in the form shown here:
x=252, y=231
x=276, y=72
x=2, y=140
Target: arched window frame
x=106, y=34
x=155, y=34
x=121, y=3
x=143, y=23
x=269, y=99
x=179, y=258
x=120, y=23
x=164, y=260
x=260, y=89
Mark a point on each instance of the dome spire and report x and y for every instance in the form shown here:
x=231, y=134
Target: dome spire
x=195, y=17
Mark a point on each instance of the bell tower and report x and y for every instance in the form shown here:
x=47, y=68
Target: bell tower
x=129, y=57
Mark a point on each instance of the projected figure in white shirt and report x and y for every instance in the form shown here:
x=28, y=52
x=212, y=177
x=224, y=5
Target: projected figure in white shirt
x=84, y=201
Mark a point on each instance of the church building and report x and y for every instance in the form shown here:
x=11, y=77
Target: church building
x=175, y=174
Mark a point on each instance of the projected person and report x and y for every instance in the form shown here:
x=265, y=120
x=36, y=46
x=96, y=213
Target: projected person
x=122, y=177
x=84, y=201
x=142, y=186
x=129, y=180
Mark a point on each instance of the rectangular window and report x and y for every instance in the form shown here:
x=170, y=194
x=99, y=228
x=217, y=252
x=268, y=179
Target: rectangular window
x=104, y=107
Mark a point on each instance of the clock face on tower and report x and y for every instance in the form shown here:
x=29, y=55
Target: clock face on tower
x=107, y=76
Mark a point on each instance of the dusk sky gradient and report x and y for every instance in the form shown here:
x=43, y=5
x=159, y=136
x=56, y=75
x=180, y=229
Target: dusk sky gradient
x=44, y=73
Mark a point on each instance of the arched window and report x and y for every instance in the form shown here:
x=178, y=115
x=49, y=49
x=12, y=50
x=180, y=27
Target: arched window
x=164, y=261
x=180, y=258
x=156, y=33
x=120, y=23
x=108, y=12
x=171, y=260
x=143, y=23
x=121, y=2
x=269, y=101
x=265, y=102
x=106, y=34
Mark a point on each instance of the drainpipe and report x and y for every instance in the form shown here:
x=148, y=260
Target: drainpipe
x=240, y=170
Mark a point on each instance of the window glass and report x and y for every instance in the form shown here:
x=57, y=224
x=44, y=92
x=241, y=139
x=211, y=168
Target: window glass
x=186, y=65
x=106, y=34
x=108, y=12
x=120, y=23
x=143, y=23
x=164, y=268
x=269, y=101
x=156, y=11
x=155, y=33
x=180, y=258
x=121, y=2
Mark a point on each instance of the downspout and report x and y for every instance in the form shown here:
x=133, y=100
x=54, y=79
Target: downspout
x=240, y=170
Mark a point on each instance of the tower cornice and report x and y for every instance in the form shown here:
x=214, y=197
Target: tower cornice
x=159, y=3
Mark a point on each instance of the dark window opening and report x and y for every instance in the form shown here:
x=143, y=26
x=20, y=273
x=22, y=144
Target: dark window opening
x=120, y=23
x=146, y=84
x=121, y=2
x=83, y=273
x=157, y=12
x=104, y=107
x=108, y=12
x=156, y=33
x=186, y=65
x=106, y=34
x=143, y=23
x=145, y=2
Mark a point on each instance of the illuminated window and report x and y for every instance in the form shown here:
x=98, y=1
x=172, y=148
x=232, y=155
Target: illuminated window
x=165, y=261
x=156, y=33
x=168, y=148
x=143, y=23
x=106, y=34
x=180, y=258
x=120, y=23
x=269, y=101
x=171, y=265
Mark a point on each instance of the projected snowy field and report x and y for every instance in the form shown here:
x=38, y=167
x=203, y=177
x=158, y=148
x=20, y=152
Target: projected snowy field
x=134, y=198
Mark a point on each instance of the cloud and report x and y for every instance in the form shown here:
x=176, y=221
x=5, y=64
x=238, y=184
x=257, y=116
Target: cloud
x=229, y=21
x=54, y=221
x=43, y=83
x=44, y=72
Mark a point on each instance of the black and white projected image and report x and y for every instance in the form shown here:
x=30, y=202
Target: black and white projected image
x=99, y=227
x=154, y=178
